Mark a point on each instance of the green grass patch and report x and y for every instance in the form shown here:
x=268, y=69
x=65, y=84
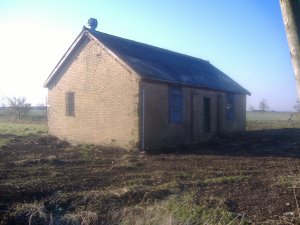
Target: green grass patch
x=290, y=181
x=4, y=141
x=182, y=209
x=272, y=120
x=271, y=124
x=22, y=129
x=272, y=116
x=85, y=150
x=224, y=180
x=10, y=130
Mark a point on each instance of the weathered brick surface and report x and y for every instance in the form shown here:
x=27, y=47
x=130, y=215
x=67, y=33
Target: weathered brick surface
x=108, y=105
x=106, y=100
x=239, y=123
x=159, y=132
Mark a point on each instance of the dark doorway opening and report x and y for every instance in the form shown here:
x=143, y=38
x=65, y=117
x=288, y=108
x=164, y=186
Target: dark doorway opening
x=206, y=115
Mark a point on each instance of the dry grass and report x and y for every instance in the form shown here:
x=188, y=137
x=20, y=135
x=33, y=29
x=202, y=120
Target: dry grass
x=179, y=210
x=22, y=129
x=80, y=218
x=272, y=120
x=242, y=179
x=34, y=213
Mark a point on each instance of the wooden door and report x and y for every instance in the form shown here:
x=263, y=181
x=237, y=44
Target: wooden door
x=196, y=117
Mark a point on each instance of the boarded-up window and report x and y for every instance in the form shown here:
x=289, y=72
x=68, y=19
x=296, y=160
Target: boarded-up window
x=70, y=104
x=175, y=104
x=230, y=112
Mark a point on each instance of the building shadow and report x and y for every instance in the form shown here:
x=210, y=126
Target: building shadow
x=258, y=143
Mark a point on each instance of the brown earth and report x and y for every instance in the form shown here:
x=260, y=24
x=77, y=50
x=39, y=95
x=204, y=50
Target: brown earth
x=255, y=174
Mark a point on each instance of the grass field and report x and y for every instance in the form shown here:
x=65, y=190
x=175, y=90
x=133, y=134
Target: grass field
x=272, y=116
x=34, y=115
x=248, y=178
x=11, y=130
x=272, y=120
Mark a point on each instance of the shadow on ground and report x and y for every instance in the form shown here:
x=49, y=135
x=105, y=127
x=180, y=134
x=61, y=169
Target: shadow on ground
x=44, y=178
x=273, y=142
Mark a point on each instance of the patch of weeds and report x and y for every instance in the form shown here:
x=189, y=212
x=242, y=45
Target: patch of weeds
x=271, y=124
x=22, y=129
x=132, y=145
x=224, y=180
x=29, y=134
x=4, y=141
x=36, y=214
x=40, y=132
x=178, y=210
x=138, y=181
x=127, y=161
x=289, y=181
x=140, y=194
x=169, y=185
x=30, y=213
x=85, y=150
x=80, y=217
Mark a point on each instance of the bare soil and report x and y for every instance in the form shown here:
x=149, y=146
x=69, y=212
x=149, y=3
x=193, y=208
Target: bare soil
x=255, y=174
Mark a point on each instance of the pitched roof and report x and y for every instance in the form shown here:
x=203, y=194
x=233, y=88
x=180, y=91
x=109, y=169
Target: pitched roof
x=159, y=64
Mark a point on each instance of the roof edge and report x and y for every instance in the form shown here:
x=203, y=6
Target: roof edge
x=89, y=34
x=82, y=34
x=194, y=86
x=111, y=53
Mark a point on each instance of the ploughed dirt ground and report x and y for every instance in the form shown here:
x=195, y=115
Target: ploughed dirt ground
x=255, y=176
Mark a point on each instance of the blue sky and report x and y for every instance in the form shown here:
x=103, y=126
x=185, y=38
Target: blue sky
x=243, y=38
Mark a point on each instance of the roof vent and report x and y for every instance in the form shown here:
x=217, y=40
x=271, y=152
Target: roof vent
x=93, y=23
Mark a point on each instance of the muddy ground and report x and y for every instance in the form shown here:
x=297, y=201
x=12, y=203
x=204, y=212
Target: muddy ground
x=255, y=175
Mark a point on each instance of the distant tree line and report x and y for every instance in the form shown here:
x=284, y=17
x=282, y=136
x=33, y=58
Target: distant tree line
x=18, y=106
x=297, y=106
x=263, y=106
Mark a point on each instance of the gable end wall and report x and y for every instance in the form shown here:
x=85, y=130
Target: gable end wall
x=106, y=100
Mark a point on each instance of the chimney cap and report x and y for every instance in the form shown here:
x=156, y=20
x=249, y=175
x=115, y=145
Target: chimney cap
x=93, y=23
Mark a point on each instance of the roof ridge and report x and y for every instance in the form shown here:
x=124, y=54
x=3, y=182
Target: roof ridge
x=149, y=45
x=157, y=63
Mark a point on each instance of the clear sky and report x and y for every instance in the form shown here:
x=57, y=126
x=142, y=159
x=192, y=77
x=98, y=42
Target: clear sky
x=243, y=38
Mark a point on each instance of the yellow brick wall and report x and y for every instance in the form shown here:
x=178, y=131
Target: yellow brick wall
x=159, y=132
x=239, y=123
x=106, y=100
x=108, y=105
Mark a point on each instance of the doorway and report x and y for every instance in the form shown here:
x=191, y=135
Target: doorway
x=206, y=115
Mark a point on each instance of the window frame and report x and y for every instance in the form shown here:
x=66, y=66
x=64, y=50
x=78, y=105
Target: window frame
x=175, y=104
x=230, y=106
x=70, y=103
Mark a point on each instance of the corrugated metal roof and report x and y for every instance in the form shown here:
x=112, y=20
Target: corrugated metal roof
x=164, y=65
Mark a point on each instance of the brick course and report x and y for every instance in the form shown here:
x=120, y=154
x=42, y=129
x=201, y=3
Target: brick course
x=106, y=100
x=108, y=105
x=159, y=132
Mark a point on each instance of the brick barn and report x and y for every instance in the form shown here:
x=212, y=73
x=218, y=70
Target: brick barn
x=109, y=90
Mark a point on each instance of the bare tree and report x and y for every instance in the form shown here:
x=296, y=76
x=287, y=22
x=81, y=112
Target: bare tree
x=18, y=106
x=263, y=105
x=2, y=100
x=251, y=108
x=291, y=17
x=41, y=105
x=297, y=106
